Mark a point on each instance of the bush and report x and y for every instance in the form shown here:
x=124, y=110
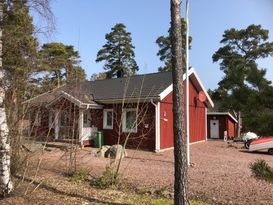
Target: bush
x=79, y=176
x=107, y=179
x=261, y=170
x=18, y=163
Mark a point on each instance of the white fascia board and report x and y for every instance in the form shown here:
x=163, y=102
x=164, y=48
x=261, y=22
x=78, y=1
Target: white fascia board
x=169, y=89
x=223, y=113
x=73, y=100
x=202, y=87
x=166, y=92
x=45, y=93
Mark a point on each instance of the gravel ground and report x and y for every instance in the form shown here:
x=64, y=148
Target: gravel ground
x=220, y=173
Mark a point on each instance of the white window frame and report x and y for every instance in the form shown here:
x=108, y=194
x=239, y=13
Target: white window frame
x=105, y=126
x=124, y=129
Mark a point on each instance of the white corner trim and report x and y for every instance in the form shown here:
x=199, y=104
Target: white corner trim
x=157, y=125
x=157, y=119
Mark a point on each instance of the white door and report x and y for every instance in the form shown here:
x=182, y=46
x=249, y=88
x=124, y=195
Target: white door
x=87, y=129
x=214, y=129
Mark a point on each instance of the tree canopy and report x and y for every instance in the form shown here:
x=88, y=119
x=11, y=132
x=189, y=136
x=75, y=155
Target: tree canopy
x=244, y=86
x=118, y=52
x=61, y=62
x=164, y=44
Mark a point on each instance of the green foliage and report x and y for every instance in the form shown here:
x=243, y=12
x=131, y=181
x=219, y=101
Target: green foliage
x=19, y=58
x=164, y=44
x=107, y=179
x=61, y=63
x=261, y=170
x=244, y=86
x=118, y=52
x=79, y=176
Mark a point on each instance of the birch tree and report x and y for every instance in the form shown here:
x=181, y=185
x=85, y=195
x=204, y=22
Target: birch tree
x=5, y=176
x=180, y=154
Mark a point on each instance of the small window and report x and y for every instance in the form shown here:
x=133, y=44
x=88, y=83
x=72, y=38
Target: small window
x=129, y=120
x=108, y=119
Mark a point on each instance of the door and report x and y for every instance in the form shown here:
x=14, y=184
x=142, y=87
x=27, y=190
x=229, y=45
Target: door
x=214, y=129
x=87, y=129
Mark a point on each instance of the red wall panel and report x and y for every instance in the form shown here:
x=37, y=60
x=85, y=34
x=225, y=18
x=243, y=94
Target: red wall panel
x=197, y=118
x=145, y=136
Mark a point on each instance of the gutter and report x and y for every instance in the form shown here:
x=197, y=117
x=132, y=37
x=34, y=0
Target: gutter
x=157, y=125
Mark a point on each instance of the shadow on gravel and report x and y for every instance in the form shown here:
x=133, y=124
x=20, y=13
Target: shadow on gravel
x=57, y=191
x=145, y=159
x=256, y=152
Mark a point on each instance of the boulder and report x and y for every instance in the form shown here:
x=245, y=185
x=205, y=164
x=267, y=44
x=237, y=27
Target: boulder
x=115, y=152
x=102, y=151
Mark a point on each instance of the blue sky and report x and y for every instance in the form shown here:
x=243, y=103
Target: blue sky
x=84, y=23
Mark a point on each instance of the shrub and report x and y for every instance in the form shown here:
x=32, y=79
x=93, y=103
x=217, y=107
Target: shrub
x=107, y=179
x=79, y=176
x=261, y=170
x=18, y=163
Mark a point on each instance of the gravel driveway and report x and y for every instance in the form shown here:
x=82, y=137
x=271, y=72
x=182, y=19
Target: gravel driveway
x=220, y=173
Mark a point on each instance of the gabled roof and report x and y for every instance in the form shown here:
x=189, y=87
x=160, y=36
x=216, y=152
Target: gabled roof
x=145, y=87
x=223, y=113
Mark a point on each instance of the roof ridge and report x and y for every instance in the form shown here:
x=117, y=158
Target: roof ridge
x=132, y=76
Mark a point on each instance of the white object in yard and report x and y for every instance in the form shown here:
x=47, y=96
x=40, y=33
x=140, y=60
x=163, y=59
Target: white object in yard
x=250, y=136
x=225, y=136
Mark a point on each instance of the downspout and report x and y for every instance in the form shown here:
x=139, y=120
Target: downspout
x=157, y=125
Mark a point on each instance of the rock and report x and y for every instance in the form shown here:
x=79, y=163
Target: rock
x=116, y=151
x=102, y=151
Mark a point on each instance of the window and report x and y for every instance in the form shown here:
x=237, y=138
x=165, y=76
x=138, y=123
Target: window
x=129, y=120
x=108, y=119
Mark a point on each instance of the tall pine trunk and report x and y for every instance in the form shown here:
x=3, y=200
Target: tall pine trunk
x=180, y=148
x=5, y=176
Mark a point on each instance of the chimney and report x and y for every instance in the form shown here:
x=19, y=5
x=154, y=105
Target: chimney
x=120, y=73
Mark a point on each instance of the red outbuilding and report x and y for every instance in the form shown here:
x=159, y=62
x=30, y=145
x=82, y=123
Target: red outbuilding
x=221, y=125
x=135, y=110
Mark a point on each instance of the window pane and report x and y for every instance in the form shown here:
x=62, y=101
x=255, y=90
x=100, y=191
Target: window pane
x=109, y=117
x=130, y=120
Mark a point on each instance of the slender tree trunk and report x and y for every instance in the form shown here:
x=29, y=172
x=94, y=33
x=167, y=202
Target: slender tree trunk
x=180, y=148
x=5, y=177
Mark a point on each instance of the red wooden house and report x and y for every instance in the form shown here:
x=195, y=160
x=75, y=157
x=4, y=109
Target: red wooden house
x=221, y=123
x=135, y=110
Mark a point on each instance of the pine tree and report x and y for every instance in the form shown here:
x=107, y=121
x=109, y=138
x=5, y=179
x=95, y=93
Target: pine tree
x=19, y=58
x=61, y=63
x=180, y=146
x=118, y=52
x=164, y=44
x=244, y=87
